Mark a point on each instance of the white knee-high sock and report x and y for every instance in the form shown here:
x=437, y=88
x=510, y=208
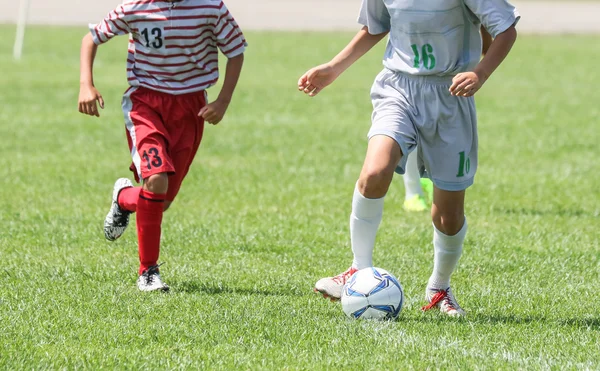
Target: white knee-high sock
x=447, y=251
x=364, y=222
x=412, y=178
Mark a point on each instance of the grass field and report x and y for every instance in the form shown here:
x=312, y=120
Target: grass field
x=263, y=215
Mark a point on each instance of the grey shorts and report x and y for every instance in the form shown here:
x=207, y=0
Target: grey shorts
x=419, y=112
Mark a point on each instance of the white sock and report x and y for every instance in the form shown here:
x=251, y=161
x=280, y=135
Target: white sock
x=447, y=251
x=412, y=177
x=364, y=222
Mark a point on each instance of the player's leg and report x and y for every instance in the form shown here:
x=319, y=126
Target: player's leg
x=125, y=199
x=150, y=208
x=452, y=165
x=414, y=199
x=383, y=155
x=128, y=197
x=125, y=195
x=149, y=144
x=449, y=231
x=155, y=167
x=392, y=134
x=138, y=116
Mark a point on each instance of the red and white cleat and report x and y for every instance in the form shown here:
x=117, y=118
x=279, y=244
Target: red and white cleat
x=331, y=287
x=443, y=299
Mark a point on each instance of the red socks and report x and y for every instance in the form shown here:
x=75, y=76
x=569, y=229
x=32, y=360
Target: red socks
x=149, y=209
x=148, y=220
x=128, y=198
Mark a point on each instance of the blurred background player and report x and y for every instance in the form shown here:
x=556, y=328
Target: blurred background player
x=172, y=60
x=418, y=192
x=424, y=97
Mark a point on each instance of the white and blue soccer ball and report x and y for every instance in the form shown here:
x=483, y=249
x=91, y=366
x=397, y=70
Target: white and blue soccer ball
x=372, y=293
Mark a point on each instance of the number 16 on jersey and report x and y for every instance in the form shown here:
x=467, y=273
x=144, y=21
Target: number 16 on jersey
x=426, y=56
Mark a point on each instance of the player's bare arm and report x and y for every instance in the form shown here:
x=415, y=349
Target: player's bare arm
x=317, y=78
x=468, y=83
x=486, y=40
x=88, y=94
x=213, y=113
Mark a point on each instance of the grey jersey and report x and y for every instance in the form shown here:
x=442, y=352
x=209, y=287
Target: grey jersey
x=435, y=37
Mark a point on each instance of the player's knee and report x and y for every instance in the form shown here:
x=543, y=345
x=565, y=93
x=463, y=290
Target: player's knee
x=166, y=205
x=157, y=183
x=374, y=182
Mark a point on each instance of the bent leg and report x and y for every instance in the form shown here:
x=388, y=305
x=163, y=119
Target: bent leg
x=128, y=198
x=383, y=154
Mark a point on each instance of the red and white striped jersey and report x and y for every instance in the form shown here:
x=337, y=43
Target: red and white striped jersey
x=173, y=46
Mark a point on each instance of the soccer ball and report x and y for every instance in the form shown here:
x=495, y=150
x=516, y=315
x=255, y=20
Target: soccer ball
x=372, y=293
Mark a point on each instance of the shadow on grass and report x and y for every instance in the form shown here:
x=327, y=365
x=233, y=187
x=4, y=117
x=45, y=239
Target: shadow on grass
x=217, y=289
x=482, y=319
x=548, y=212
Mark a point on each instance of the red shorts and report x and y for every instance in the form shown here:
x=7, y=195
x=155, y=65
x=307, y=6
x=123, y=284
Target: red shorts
x=164, y=133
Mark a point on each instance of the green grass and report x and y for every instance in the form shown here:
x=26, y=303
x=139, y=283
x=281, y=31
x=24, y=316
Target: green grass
x=263, y=214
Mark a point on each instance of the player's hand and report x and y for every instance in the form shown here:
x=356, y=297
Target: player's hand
x=316, y=79
x=88, y=96
x=213, y=113
x=466, y=84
